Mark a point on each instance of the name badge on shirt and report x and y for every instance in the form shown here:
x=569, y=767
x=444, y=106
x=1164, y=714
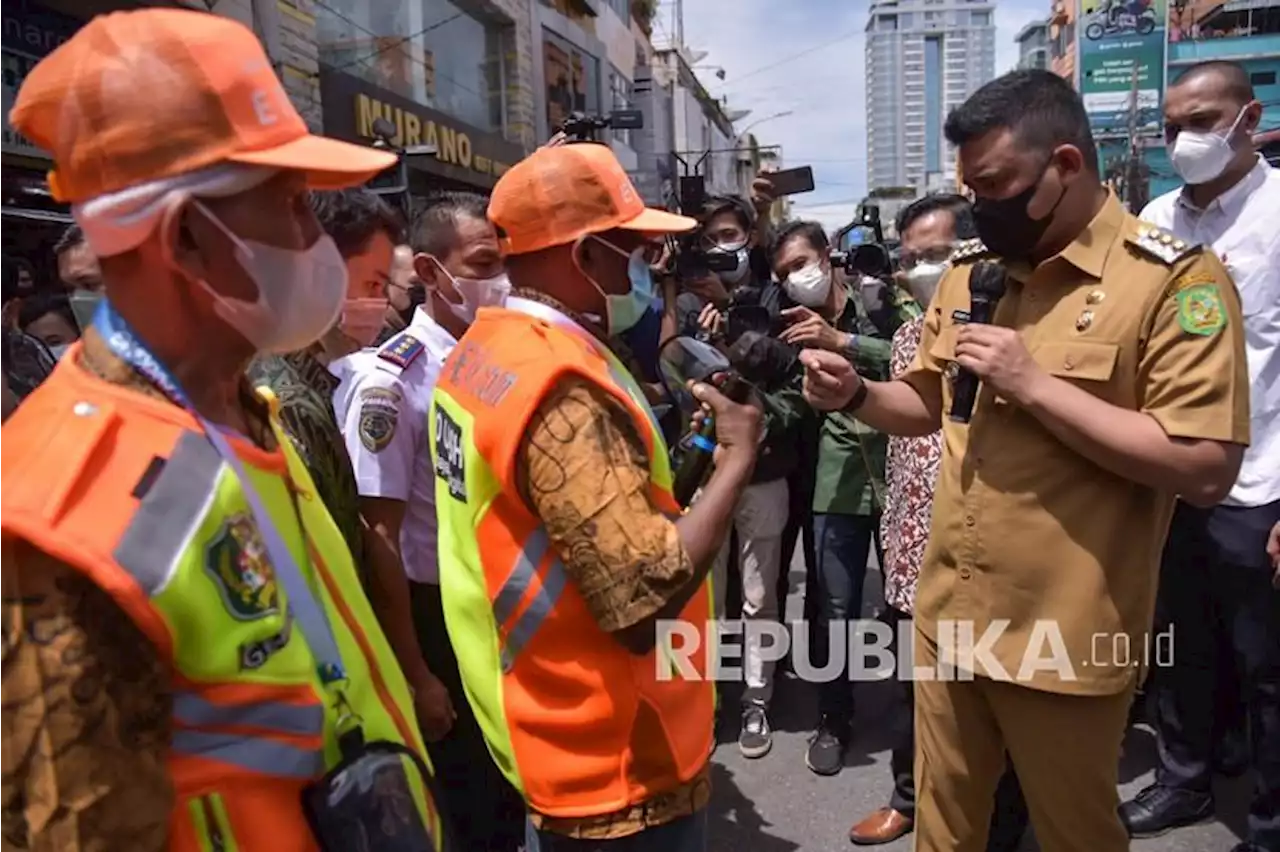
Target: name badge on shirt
x=451, y=465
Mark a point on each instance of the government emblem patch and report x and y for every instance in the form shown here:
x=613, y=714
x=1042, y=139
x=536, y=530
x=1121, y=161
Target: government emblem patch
x=1200, y=310
x=237, y=561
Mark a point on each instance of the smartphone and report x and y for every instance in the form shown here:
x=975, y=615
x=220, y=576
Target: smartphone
x=744, y=318
x=791, y=181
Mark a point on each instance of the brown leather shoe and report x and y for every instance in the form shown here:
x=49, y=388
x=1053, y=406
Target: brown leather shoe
x=883, y=826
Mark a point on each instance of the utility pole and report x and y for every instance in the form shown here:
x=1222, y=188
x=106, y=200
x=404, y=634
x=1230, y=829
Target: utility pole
x=1134, y=196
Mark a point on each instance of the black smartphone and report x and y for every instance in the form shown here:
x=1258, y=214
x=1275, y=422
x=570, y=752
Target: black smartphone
x=791, y=181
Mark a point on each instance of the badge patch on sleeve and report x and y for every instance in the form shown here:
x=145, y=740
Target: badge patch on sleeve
x=379, y=415
x=451, y=465
x=1200, y=310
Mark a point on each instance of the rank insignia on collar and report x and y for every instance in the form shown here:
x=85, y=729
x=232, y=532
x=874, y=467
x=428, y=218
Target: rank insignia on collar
x=969, y=250
x=402, y=350
x=1161, y=244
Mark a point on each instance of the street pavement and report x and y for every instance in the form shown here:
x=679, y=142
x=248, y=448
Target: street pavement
x=775, y=804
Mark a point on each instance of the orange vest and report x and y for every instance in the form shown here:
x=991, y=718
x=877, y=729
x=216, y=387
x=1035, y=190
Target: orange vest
x=128, y=490
x=580, y=725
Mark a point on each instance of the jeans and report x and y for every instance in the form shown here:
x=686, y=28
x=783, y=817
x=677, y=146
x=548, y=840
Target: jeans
x=759, y=519
x=843, y=544
x=687, y=834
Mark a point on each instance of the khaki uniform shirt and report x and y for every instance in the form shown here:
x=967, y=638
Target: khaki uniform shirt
x=1024, y=528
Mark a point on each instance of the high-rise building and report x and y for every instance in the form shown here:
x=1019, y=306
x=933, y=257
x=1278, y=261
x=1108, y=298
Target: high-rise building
x=1033, y=45
x=923, y=58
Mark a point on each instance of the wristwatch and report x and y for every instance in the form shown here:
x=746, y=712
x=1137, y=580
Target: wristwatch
x=859, y=397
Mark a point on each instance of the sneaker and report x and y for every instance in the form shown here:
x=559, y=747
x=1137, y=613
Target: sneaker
x=756, y=738
x=826, y=748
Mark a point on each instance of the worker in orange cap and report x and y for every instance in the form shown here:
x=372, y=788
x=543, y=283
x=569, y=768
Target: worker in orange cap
x=562, y=549
x=190, y=663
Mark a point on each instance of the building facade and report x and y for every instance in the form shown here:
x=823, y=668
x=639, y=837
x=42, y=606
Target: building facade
x=1033, y=45
x=703, y=139
x=453, y=76
x=923, y=58
x=1062, y=38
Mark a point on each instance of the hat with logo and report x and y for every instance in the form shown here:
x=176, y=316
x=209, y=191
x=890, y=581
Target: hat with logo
x=559, y=194
x=138, y=96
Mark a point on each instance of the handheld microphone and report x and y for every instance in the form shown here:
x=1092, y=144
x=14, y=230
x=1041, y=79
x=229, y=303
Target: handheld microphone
x=986, y=286
x=695, y=466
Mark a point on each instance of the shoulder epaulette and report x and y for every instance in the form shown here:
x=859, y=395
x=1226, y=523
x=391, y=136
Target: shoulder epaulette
x=969, y=250
x=402, y=350
x=1161, y=244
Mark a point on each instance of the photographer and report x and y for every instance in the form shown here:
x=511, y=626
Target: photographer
x=856, y=321
x=740, y=308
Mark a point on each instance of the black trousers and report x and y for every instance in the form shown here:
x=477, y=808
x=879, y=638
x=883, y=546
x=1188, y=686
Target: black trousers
x=1009, y=817
x=485, y=811
x=1217, y=598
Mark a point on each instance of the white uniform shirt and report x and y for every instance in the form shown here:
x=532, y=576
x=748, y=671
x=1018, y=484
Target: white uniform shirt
x=382, y=403
x=1243, y=227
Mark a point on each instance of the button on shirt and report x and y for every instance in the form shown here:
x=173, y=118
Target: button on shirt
x=1038, y=536
x=1243, y=227
x=382, y=401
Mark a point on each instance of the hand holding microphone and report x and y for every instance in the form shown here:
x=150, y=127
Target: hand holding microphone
x=988, y=353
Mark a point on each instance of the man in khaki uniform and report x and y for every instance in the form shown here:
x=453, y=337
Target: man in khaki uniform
x=1113, y=379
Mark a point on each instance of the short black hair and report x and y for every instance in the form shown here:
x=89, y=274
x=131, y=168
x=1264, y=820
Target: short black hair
x=435, y=228
x=45, y=302
x=943, y=202
x=1234, y=77
x=352, y=217
x=734, y=204
x=1041, y=108
x=72, y=237
x=811, y=232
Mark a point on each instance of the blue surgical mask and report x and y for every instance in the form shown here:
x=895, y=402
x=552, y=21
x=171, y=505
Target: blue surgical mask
x=59, y=350
x=623, y=312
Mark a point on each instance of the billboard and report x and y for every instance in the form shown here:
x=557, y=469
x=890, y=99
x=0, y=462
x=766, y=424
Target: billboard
x=1117, y=39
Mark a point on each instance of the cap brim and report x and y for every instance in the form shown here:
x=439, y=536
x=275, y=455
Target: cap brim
x=660, y=222
x=328, y=163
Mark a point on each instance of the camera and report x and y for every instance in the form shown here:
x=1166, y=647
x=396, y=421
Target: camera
x=394, y=180
x=867, y=253
x=581, y=127
x=694, y=262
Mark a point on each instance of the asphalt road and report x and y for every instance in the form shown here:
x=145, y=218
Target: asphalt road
x=775, y=804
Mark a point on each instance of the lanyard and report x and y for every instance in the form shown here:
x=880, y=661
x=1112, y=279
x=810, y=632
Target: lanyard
x=301, y=603
x=551, y=315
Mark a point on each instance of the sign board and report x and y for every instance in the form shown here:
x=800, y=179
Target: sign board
x=1116, y=40
x=31, y=32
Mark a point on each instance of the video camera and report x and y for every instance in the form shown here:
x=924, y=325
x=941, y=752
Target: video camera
x=393, y=182
x=581, y=127
x=867, y=253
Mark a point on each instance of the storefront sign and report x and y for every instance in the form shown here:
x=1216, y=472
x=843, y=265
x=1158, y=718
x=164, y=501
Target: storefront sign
x=1117, y=41
x=466, y=154
x=31, y=32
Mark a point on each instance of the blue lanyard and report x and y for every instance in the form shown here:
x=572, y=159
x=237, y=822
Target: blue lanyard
x=301, y=602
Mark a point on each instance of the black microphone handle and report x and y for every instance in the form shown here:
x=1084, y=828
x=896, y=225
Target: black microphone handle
x=695, y=467
x=965, y=388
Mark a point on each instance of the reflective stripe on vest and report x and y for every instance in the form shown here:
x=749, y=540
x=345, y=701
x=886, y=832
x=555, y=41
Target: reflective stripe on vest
x=517, y=585
x=257, y=754
x=294, y=719
x=161, y=528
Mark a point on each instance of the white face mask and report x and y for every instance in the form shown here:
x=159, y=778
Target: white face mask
x=476, y=293
x=363, y=319
x=922, y=281
x=809, y=286
x=1200, y=157
x=300, y=293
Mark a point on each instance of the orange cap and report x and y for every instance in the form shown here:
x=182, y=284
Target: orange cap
x=137, y=96
x=559, y=194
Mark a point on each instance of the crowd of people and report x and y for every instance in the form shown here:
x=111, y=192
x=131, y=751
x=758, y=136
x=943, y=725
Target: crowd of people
x=323, y=529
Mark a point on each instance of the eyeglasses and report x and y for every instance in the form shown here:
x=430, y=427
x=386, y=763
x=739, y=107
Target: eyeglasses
x=932, y=254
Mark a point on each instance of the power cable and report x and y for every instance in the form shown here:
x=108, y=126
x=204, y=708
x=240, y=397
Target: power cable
x=823, y=46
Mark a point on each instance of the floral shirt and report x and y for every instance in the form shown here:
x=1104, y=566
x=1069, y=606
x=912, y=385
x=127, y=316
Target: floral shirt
x=911, y=473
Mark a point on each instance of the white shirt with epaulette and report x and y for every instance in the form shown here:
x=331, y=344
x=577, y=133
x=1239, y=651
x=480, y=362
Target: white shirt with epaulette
x=382, y=404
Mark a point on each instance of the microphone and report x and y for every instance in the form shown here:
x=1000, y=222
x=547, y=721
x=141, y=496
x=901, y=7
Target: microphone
x=986, y=286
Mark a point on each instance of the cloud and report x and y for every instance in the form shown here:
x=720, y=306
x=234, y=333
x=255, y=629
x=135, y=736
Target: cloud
x=815, y=48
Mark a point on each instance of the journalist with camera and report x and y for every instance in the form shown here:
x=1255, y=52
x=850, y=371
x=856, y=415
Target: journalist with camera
x=853, y=317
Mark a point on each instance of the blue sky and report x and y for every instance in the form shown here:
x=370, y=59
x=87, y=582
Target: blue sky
x=817, y=46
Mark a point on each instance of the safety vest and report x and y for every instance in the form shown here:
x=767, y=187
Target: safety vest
x=580, y=725
x=128, y=490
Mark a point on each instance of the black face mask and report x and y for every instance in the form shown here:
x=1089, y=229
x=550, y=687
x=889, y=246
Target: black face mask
x=1005, y=227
